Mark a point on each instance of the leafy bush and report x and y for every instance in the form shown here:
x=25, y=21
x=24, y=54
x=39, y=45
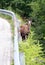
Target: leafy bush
x=33, y=51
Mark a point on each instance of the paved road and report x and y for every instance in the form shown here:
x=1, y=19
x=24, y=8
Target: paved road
x=5, y=42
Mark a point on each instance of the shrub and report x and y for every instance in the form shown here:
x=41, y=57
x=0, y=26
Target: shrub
x=33, y=51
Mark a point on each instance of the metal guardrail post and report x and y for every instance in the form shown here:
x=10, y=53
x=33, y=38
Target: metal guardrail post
x=16, y=48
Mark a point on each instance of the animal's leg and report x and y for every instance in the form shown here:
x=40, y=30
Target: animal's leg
x=23, y=37
x=26, y=36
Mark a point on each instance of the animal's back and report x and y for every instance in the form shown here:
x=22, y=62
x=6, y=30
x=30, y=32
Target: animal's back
x=24, y=29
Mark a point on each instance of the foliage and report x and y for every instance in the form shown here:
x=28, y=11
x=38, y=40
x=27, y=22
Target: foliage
x=38, y=17
x=33, y=51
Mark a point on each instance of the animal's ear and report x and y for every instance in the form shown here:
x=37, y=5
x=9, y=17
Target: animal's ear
x=29, y=22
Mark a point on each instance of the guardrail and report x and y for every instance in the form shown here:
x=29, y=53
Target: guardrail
x=16, y=48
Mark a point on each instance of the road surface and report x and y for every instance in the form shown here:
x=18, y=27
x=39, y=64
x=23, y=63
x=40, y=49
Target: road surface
x=5, y=42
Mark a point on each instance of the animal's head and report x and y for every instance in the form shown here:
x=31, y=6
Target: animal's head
x=29, y=22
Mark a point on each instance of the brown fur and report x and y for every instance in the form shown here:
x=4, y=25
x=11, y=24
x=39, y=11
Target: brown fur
x=24, y=31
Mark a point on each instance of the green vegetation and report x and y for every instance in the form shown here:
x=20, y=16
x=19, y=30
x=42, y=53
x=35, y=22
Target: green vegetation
x=33, y=51
x=34, y=46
